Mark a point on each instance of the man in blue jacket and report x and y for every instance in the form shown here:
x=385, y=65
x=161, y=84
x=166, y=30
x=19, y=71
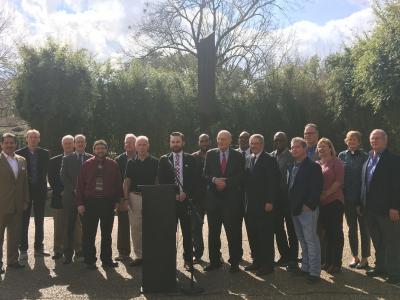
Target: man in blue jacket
x=305, y=183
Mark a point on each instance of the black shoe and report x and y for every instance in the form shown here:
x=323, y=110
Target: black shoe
x=91, y=266
x=234, y=268
x=67, y=261
x=292, y=266
x=264, y=271
x=313, y=279
x=56, y=256
x=362, y=266
x=16, y=265
x=41, y=253
x=282, y=262
x=300, y=272
x=252, y=267
x=197, y=261
x=109, y=264
x=375, y=273
x=354, y=264
x=212, y=267
x=136, y=262
x=188, y=266
x=2, y=271
x=393, y=280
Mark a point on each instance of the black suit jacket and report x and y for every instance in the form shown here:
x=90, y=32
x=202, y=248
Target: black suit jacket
x=262, y=183
x=43, y=164
x=384, y=190
x=234, y=173
x=122, y=161
x=55, y=181
x=307, y=187
x=166, y=172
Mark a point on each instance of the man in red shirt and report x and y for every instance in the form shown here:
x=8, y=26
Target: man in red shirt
x=98, y=191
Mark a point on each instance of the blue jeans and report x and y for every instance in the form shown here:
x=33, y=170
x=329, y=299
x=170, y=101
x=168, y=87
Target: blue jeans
x=305, y=226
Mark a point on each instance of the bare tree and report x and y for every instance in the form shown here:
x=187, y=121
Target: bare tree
x=244, y=30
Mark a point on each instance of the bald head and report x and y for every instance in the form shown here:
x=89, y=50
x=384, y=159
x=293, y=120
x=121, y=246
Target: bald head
x=224, y=139
x=244, y=141
x=378, y=140
x=280, y=141
x=204, y=142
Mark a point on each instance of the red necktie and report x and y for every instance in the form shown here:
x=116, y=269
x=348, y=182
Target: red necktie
x=223, y=163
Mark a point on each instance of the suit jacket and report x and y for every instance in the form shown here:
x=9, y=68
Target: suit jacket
x=55, y=181
x=70, y=168
x=384, y=190
x=261, y=183
x=307, y=186
x=14, y=193
x=122, y=161
x=234, y=173
x=200, y=186
x=43, y=163
x=166, y=172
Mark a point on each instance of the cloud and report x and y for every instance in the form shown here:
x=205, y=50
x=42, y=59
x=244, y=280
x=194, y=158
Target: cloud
x=310, y=38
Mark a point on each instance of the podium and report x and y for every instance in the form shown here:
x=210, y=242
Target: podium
x=158, y=238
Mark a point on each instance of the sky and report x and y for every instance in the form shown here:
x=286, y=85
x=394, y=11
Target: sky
x=101, y=26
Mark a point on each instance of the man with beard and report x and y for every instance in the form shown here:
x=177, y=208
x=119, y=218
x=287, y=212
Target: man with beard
x=99, y=190
x=199, y=197
x=177, y=167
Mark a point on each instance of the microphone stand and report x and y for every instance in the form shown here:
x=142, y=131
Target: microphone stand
x=192, y=289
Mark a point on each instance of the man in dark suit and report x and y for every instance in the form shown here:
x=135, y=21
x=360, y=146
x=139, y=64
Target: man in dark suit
x=380, y=197
x=37, y=160
x=123, y=236
x=224, y=172
x=177, y=167
x=261, y=189
x=305, y=183
x=70, y=168
x=67, y=143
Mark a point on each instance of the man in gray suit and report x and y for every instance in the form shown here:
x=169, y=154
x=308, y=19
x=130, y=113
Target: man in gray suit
x=14, y=199
x=70, y=168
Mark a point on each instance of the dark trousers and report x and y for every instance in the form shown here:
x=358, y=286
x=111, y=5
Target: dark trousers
x=288, y=244
x=230, y=216
x=385, y=236
x=184, y=219
x=260, y=232
x=70, y=212
x=97, y=209
x=331, y=220
x=353, y=222
x=37, y=200
x=123, y=237
x=197, y=235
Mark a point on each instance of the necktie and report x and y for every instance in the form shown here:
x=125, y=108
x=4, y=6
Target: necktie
x=253, y=161
x=223, y=163
x=244, y=154
x=177, y=168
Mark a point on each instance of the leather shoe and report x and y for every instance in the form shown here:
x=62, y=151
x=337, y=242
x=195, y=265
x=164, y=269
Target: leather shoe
x=41, y=253
x=109, y=264
x=234, y=268
x=375, y=273
x=313, y=279
x=212, y=267
x=362, y=266
x=56, y=256
x=16, y=265
x=354, y=264
x=252, y=267
x=393, y=280
x=188, y=266
x=197, y=261
x=2, y=271
x=264, y=271
x=136, y=262
x=67, y=261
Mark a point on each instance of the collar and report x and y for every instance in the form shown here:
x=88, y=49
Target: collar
x=371, y=153
x=8, y=156
x=226, y=151
x=256, y=155
x=180, y=153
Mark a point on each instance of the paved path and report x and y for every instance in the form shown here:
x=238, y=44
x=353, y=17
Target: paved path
x=49, y=280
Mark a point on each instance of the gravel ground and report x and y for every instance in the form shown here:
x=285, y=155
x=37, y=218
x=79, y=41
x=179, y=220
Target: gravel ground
x=46, y=279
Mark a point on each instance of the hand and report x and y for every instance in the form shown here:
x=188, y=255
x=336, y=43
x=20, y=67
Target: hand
x=81, y=210
x=394, y=215
x=182, y=197
x=220, y=184
x=359, y=211
x=268, y=207
x=306, y=208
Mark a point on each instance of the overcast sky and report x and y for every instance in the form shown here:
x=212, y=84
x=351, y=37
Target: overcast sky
x=319, y=26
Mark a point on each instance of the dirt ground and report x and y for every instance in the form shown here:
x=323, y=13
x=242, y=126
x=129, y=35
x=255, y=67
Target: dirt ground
x=46, y=279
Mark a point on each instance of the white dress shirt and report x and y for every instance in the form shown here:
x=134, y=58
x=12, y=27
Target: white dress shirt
x=12, y=161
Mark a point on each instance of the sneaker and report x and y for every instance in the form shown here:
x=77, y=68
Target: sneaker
x=23, y=255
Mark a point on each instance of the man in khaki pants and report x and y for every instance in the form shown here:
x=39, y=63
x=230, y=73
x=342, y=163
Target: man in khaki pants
x=139, y=171
x=13, y=199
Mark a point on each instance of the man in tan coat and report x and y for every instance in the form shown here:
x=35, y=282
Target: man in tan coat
x=13, y=199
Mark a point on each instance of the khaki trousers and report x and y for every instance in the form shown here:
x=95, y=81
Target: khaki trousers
x=135, y=220
x=13, y=223
x=59, y=227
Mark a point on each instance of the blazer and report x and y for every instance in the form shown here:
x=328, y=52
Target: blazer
x=55, y=181
x=166, y=172
x=383, y=192
x=43, y=163
x=122, y=161
x=14, y=193
x=70, y=168
x=234, y=174
x=261, y=183
x=307, y=187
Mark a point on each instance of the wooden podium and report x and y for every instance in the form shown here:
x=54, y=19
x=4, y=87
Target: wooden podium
x=158, y=238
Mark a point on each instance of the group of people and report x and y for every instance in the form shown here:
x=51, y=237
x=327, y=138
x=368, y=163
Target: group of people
x=296, y=194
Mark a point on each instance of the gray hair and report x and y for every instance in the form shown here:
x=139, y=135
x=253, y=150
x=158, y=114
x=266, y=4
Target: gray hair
x=299, y=140
x=67, y=137
x=257, y=136
x=129, y=135
x=142, y=138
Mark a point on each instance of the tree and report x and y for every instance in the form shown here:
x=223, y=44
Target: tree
x=243, y=30
x=54, y=90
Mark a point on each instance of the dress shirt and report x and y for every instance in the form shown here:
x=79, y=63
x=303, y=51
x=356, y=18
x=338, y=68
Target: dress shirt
x=12, y=161
x=373, y=161
x=180, y=154
x=245, y=153
x=311, y=152
x=221, y=155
